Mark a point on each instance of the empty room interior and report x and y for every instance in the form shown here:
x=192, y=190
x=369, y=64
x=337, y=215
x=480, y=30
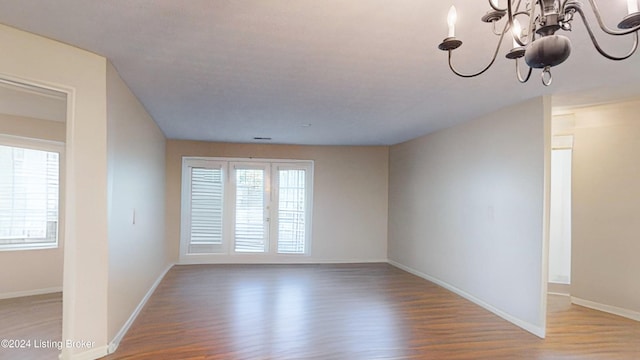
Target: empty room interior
x=319, y=180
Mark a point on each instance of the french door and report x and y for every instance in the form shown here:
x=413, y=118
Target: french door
x=250, y=184
x=246, y=207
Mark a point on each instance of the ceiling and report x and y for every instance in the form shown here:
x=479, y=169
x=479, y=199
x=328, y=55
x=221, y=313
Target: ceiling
x=330, y=72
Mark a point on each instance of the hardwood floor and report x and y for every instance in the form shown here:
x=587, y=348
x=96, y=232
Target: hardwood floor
x=371, y=311
x=32, y=320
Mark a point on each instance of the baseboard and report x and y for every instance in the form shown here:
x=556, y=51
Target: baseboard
x=243, y=260
x=113, y=345
x=535, y=330
x=95, y=353
x=629, y=314
x=554, y=288
x=16, y=294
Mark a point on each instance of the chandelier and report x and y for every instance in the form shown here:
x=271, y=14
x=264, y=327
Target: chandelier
x=538, y=42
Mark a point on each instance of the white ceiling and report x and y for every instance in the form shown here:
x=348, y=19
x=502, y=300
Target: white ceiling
x=349, y=72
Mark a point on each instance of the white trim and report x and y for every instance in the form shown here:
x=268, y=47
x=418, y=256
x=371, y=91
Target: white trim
x=29, y=246
x=629, y=314
x=558, y=294
x=113, y=345
x=32, y=143
x=541, y=330
x=269, y=260
x=246, y=159
x=20, y=85
x=44, y=291
x=535, y=330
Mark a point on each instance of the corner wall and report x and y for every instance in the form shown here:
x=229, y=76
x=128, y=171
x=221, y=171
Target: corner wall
x=136, y=190
x=467, y=210
x=350, y=200
x=606, y=207
x=81, y=74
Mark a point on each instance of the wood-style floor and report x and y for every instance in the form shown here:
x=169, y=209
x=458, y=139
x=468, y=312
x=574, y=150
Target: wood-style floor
x=371, y=311
x=32, y=320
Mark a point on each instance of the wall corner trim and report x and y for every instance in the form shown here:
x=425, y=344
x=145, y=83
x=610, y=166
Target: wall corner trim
x=533, y=329
x=629, y=314
x=113, y=345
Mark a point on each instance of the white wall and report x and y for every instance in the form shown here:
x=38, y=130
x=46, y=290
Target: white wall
x=349, y=201
x=466, y=209
x=606, y=206
x=81, y=74
x=137, y=251
x=32, y=128
x=560, y=217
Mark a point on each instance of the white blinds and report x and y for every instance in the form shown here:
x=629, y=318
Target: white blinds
x=250, y=223
x=245, y=207
x=291, y=211
x=29, y=192
x=206, y=206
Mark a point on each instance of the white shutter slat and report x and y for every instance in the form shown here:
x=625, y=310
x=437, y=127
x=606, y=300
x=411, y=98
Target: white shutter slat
x=206, y=206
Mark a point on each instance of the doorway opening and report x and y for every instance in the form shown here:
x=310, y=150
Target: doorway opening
x=32, y=187
x=560, y=216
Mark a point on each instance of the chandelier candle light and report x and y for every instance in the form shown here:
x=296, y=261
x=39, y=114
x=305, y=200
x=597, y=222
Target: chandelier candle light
x=538, y=42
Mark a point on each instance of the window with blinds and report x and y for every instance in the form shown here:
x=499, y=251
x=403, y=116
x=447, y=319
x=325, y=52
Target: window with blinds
x=245, y=206
x=203, y=207
x=29, y=198
x=206, y=206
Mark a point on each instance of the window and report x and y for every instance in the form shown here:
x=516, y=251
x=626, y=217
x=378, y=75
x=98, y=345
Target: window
x=238, y=206
x=206, y=199
x=292, y=204
x=29, y=197
x=251, y=226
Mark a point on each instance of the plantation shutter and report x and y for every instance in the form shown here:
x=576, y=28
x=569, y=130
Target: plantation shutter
x=245, y=206
x=206, y=208
x=29, y=193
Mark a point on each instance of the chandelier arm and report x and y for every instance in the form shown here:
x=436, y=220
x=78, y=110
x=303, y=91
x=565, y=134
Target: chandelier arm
x=603, y=26
x=495, y=55
x=511, y=15
x=597, y=45
x=520, y=78
x=469, y=75
x=495, y=7
x=531, y=34
x=499, y=9
x=530, y=29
